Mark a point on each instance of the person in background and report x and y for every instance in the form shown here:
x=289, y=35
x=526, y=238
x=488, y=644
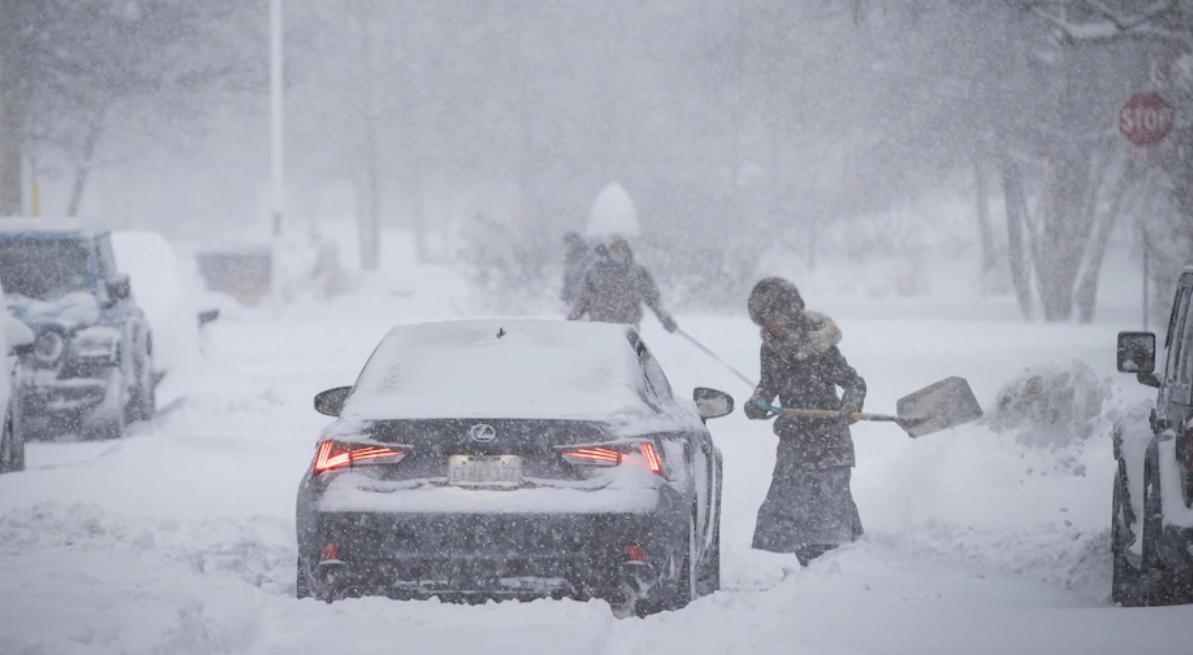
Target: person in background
x=809, y=508
x=575, y=260
x=614, y=287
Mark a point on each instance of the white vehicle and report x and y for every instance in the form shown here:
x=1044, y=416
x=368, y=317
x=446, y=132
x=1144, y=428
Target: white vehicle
x=15, y=339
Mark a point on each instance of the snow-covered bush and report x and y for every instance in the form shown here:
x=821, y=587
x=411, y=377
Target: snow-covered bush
x=511, y=270
x=1051, y=407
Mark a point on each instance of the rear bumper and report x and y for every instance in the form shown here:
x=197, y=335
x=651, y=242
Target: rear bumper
x=483, y=556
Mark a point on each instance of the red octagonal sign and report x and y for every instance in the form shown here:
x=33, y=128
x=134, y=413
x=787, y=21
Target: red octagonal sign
x=1145, y=119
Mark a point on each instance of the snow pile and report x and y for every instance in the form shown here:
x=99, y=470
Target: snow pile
x=1052, y=406
x=164, y=290
x=180, y=538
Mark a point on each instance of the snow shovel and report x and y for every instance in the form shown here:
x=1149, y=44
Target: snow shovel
x=936, y=407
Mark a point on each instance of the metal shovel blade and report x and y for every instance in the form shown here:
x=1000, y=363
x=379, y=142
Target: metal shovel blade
x=938, y=406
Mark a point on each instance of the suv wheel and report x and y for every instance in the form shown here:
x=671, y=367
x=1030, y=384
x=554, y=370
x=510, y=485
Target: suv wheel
x=145, y=395
x=1127, y=586
x=142, y=399
x=1158, y=579
x=12, y=448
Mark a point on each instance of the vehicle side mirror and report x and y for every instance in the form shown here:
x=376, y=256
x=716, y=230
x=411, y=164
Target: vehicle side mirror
x=19, y=336
x=119, y=287
x=1136, y=353
x=712, y=403
x=208, y=316
x=331, y=402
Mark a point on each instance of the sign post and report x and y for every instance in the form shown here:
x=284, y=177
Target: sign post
x=1145, y=119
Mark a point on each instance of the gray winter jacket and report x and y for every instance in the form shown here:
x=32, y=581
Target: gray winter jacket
x=804, y=371
x=614, y=292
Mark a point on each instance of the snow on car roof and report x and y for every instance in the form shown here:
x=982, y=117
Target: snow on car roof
x=495, y=368
x=54, y=226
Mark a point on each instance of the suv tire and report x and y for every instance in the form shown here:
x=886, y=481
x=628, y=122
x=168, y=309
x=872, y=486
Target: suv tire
x=1128, y=583
x=12, y=448
x=143, y=403
x=1158, y=580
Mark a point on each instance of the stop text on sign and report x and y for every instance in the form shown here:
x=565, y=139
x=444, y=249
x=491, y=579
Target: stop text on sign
x=1145, y=119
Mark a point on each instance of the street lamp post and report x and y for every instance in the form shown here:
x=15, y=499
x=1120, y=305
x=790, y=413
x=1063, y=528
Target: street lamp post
x=276, y=150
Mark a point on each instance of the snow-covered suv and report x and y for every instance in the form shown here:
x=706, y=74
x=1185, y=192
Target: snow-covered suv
x=91, y=369
x=1152, y=514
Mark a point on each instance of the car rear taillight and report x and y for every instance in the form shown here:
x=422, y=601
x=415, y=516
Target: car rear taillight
x=599, y=456
x=332, y=455
x=642, y=453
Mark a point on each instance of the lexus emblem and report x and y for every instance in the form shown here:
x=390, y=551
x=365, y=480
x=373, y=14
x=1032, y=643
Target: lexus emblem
x=482, y=432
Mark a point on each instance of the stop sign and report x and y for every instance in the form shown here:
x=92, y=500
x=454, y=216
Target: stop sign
x=1145, y=119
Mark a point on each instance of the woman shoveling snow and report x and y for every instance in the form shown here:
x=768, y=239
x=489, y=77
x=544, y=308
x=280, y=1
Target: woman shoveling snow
x=809, y=508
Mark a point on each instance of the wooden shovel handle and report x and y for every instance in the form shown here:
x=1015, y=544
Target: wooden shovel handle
x=833, y=413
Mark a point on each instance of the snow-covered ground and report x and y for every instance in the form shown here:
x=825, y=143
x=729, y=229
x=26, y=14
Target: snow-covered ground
x=179, y=539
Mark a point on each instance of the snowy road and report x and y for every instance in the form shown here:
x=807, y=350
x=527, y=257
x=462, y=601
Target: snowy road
x=179, y=539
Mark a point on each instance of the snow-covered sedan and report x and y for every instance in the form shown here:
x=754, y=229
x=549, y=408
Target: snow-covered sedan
x=513, y=459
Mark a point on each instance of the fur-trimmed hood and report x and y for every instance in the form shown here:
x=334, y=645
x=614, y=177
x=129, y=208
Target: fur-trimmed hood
x=819, y=335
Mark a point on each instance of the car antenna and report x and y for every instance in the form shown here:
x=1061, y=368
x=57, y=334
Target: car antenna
x=500, y=332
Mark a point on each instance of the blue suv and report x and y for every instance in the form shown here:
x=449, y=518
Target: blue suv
x=91, y=367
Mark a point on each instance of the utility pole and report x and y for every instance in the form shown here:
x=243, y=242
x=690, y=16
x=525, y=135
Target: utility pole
x=276, y=150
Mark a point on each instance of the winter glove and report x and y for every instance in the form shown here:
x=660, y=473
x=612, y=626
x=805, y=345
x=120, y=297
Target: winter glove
x=759, y=410
x=669, y=323
x=849, y=413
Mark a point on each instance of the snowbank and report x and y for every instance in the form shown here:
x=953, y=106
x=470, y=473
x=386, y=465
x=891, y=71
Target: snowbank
x=165, y=289
x=180, y=539
x=1052, y=406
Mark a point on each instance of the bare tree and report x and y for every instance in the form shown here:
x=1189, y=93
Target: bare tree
x=85, y=82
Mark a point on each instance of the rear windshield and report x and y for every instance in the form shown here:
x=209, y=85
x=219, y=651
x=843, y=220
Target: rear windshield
x=44, y=268
x=533, y=370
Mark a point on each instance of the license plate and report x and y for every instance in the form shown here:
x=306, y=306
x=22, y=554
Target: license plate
x=476, y=470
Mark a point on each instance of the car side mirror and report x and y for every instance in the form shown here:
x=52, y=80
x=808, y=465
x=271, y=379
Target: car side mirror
x=712, y=403
x=208, y=316
x=331, y=402
x=119, y=287
x=1136, y=353
x=19, y=336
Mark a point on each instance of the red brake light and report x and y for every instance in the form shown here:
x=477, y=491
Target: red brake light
x=333, y=455
x=613, y=455
x=653, y=460
x=599, y=456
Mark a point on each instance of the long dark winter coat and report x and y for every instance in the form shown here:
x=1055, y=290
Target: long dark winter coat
x=614, y=291
x=809, y=502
